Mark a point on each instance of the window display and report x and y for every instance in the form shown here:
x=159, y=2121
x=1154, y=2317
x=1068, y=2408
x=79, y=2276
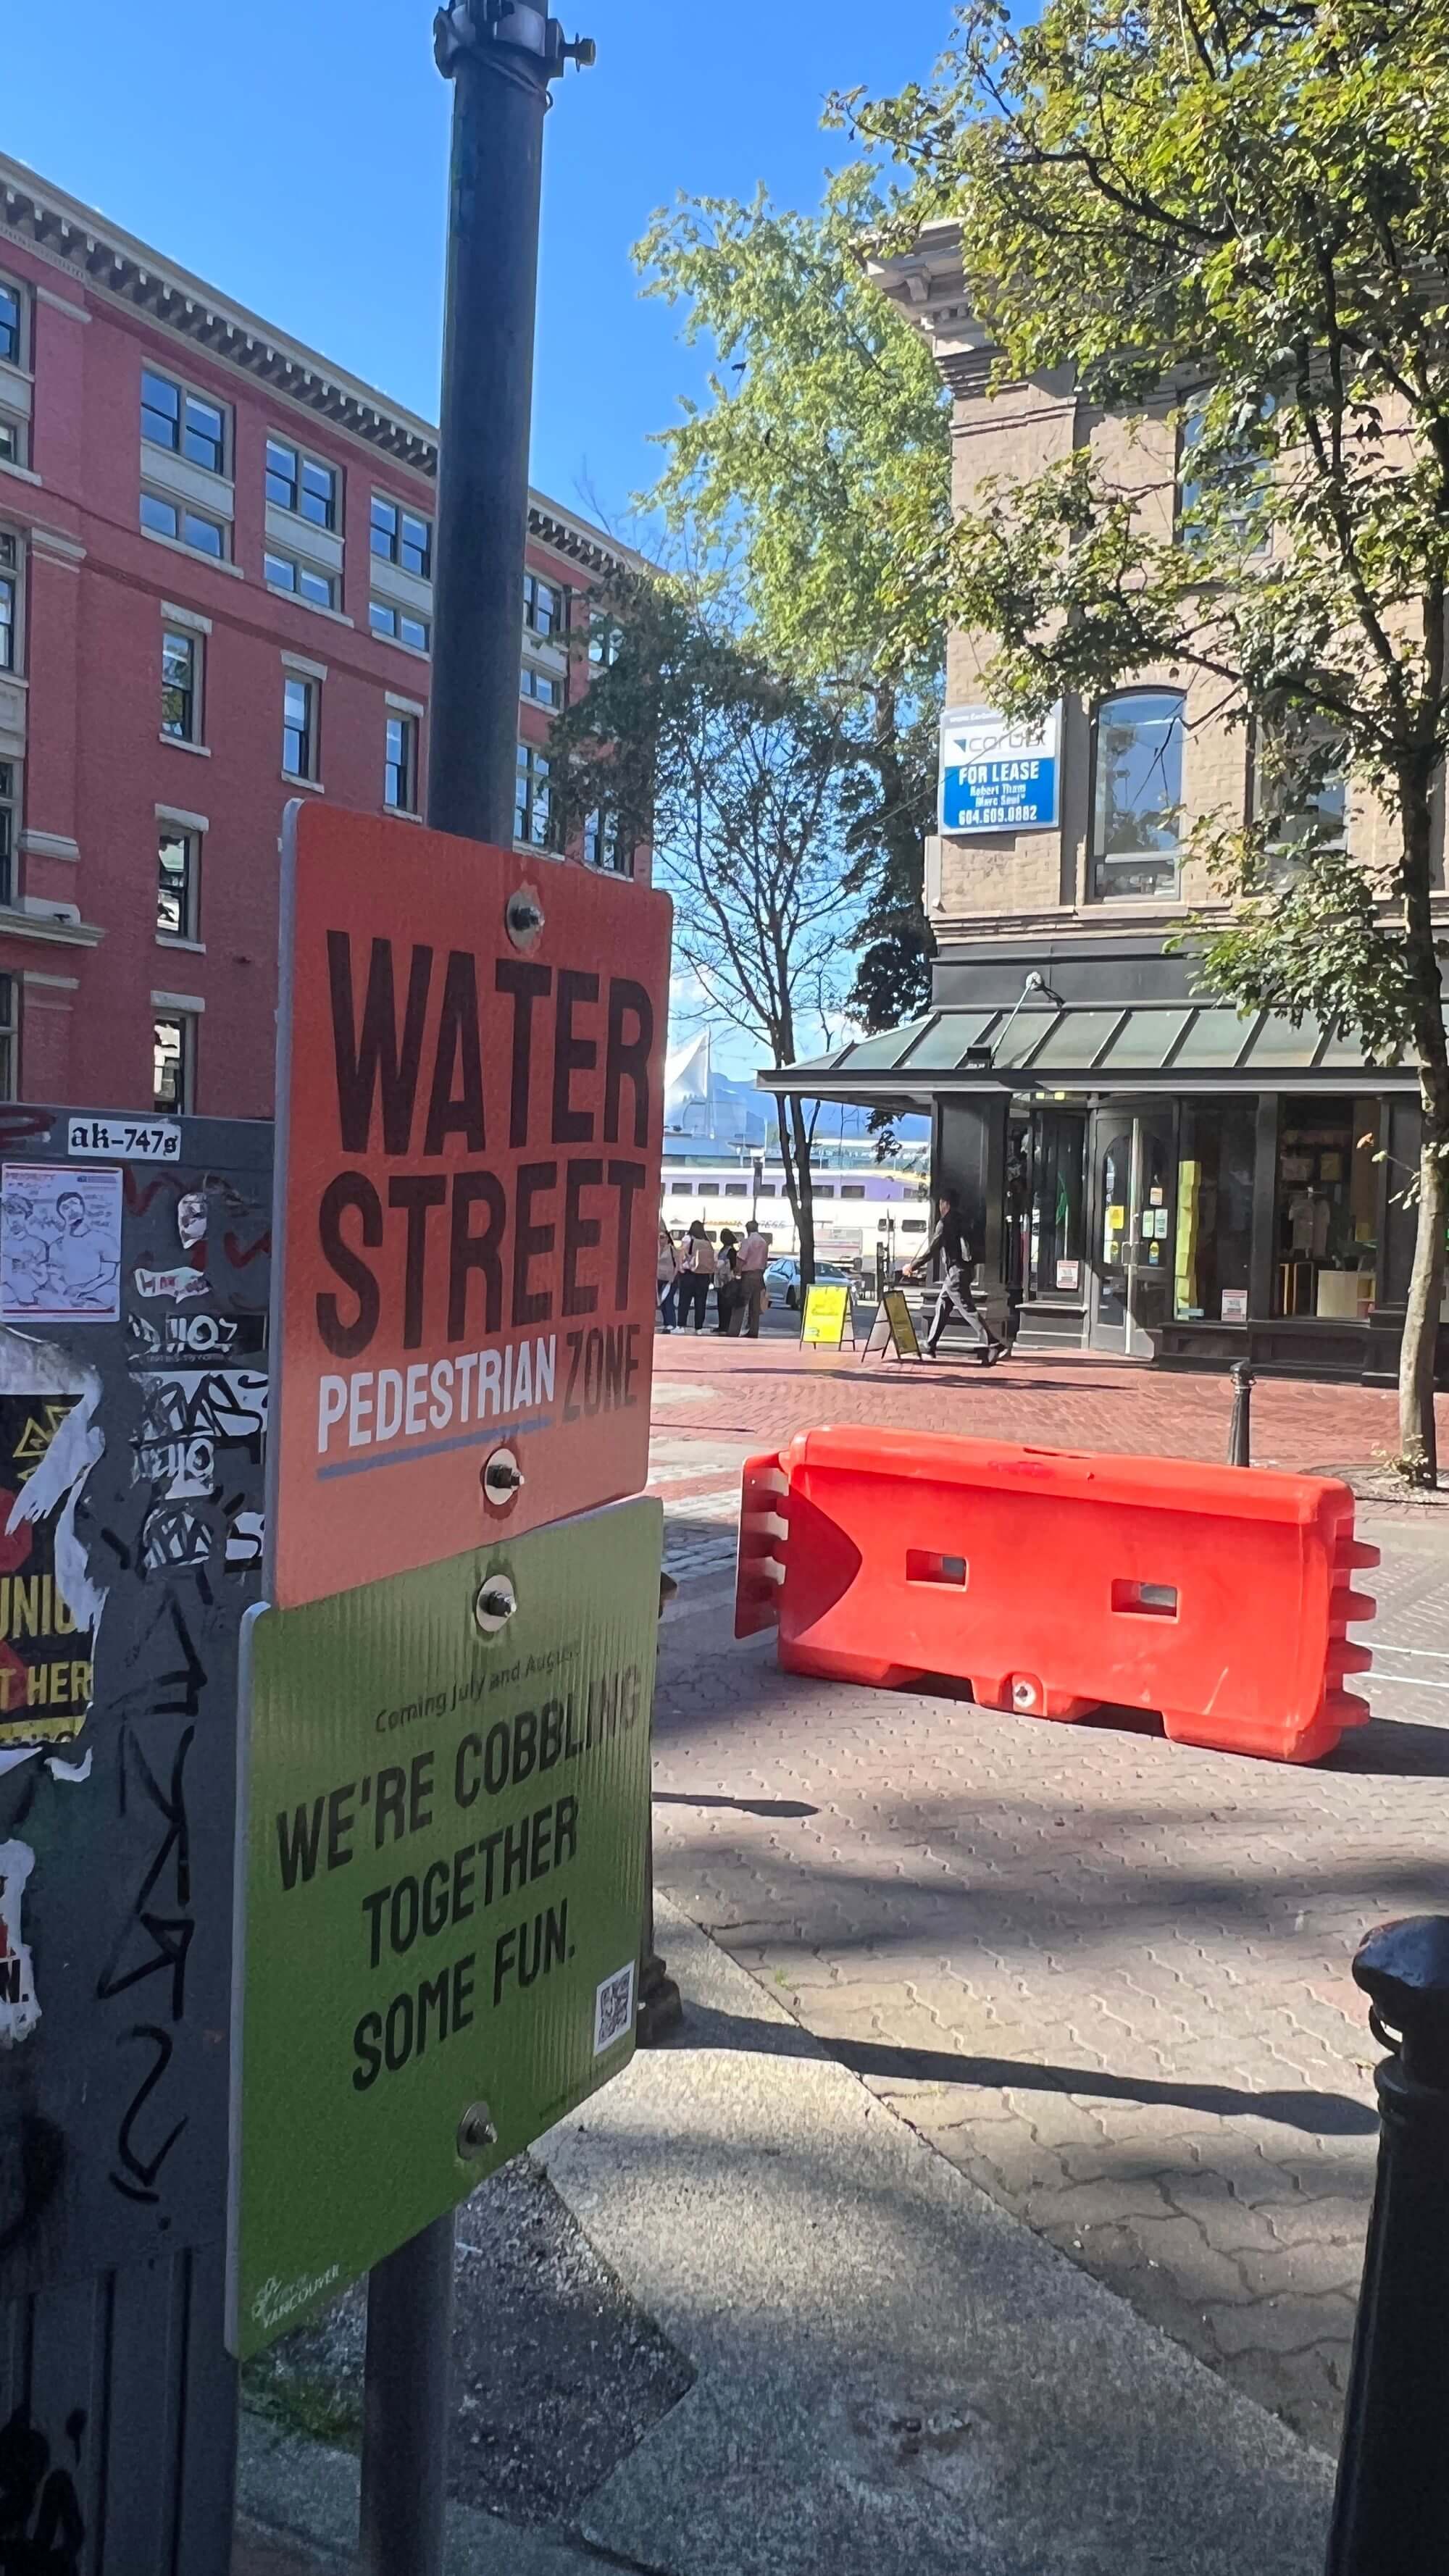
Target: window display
x=1214, y=1210
x=1326, y=1208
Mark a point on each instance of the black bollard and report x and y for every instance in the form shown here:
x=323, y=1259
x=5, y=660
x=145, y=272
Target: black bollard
x=1240, y=1435
x=1391, y=2509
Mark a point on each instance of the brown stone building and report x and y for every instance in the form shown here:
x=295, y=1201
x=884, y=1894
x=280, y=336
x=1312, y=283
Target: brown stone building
x=1147, y=1172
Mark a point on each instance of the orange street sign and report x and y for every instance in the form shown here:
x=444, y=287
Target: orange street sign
x=470, y=1081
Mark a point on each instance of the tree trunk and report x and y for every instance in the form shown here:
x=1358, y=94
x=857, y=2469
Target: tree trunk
x=795, y=1155
x=1418, y=1441
x=1418, y=1438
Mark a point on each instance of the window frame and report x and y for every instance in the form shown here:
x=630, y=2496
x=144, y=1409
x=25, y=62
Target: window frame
x=302, y=457
x=188, y=392
x=408, y=766
x=185, y=1024
x=309, y=732
x=396, y=546
x=401, y=617
x=11, y=786
x=195, y=650
x=533, y=584
x=1288, y=841
x=533, y=680
x=534, y=769
x=9, y=1036
x=1100, y=888
x=602, y=621
x=608, y=854
x=20, y=292
x=190, y=908
x=304, y=571
x=181, y=512
x=12, y=594
x=1256, y=473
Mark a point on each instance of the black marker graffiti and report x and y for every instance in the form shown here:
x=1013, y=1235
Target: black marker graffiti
x=154, y=1942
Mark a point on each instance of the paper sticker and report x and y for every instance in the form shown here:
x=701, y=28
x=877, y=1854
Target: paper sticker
x=19, y=2011
x=1069, y=1274
x=188, y=1278
x=60, y=1245
x=45, y=1654
x=1235, y=1305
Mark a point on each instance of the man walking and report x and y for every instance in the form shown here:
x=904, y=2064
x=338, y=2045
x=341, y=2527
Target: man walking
x=949, y=1240
x=750, y=1283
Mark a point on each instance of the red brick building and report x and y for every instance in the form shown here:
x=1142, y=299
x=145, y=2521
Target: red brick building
x=215, y=594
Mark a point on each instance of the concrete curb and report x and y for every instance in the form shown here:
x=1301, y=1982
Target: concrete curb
x=301, y=2491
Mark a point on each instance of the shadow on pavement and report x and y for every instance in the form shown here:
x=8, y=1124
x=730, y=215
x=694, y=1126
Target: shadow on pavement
x=742, y=1806
x=1392, y=1748
x=1318, y=2115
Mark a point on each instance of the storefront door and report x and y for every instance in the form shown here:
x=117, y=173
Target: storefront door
x=1131, y=1228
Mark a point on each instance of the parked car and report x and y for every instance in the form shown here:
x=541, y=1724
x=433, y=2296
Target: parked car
x=783, y=1276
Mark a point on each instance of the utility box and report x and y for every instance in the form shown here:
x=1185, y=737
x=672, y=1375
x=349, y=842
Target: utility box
x=134, y=1282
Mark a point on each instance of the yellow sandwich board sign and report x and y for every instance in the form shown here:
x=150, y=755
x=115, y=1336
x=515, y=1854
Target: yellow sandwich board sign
x=893, y=1328
x=828, y=1316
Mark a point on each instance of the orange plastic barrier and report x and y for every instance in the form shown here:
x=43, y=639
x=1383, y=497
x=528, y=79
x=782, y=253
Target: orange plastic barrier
x=1053, y=1580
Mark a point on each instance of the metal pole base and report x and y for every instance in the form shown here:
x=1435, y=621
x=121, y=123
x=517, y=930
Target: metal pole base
x=406, y=2406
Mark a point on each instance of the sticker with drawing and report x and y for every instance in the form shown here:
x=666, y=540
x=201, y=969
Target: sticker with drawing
x=60, y=1245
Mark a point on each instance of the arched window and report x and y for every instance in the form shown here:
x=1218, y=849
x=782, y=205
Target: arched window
x=1136, y=817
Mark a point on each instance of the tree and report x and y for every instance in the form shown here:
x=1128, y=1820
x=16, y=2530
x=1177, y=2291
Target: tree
x=741, y=782
x=827, y=431
x=1233, y=213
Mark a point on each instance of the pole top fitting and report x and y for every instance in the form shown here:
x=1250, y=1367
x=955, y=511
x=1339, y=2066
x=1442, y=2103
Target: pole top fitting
x=1403, y=1968
x=516, y=26
x=1242, y=1373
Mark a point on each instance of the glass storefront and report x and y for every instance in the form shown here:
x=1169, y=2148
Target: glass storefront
x=1046, y=1205
x=1325, y=1208
x=1214, y=1211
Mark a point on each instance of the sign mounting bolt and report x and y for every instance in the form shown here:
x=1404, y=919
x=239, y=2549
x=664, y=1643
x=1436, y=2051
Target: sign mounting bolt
x=502, y=1480
x=523, y=917
x=495, y=1604
x=476, y=2131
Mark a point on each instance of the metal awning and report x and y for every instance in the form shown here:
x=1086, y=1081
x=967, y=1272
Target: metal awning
x=1088, y=1047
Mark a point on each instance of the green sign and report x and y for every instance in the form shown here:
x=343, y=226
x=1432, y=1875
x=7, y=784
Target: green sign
x=444, y=1800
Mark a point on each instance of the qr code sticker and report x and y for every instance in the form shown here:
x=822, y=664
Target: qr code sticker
x=613, y=2008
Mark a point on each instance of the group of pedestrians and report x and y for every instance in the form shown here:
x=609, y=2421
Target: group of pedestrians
x=692, y=1264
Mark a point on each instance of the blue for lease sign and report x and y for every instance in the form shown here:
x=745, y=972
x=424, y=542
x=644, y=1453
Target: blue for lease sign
x=998, y=775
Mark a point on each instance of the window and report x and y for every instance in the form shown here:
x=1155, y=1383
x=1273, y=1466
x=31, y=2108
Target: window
x=604, y=846
x=1138, y=756
x=852, y=1189
x=1215, y=1154
x=9, y=1037
x=400, y=775
x=737, y=1189
x=400, y=536
x=14, y=442
x=913, y=1225
x=398, y=626
x=299, y=727
x=9, y=601
x=534, y=799
x=180, y=686
x=681, y=1189
x=285, y=573
x=187, y=527
x=1299, y=787
x=544, y=687
x=606, y=638
x=190, y=424
x=823, y=1190
x=1229, y=494
x=177, y=874
x=174, y=1062
x=301, y=484
x=1326, y=1211
x=12, y=325
x=9, y=830
x=543, y=605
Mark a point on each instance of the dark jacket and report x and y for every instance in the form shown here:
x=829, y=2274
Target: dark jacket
x=950, y=1239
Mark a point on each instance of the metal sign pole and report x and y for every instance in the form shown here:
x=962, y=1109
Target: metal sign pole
x=501, y=56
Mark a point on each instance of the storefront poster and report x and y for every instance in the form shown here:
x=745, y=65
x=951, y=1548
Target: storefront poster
x=60, y=1245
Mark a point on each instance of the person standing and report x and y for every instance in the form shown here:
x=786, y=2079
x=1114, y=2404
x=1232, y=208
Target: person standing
x=696, y=1272
x=725, y=1268
x=750, y=1286
x=666, y=1277
x=949, y=1240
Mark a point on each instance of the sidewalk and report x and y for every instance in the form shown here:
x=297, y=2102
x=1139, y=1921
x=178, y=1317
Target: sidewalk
x=892, y=2377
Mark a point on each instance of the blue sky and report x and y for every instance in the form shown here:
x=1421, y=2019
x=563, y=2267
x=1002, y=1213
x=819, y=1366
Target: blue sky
x=294, y=152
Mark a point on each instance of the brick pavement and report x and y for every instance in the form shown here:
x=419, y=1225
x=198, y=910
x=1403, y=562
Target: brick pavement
x=1106, y=1975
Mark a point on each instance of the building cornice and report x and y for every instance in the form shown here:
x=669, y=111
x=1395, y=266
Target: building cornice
x=78, y=243
x=926, y=286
